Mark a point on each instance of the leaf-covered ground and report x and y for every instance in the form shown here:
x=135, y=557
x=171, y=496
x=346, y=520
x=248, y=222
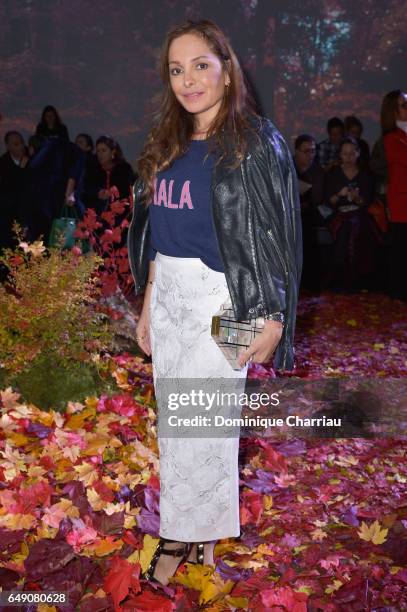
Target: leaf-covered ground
x=324, y=522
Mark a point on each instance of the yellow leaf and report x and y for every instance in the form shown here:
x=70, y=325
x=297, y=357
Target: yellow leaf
x=72, y=452
x=18, y=439
x=352, y=322
x=215, y=587
x=395, y=568
x=91, y=402
x=196, y=576
x=267, y=531
x=334, y=587
x=21, y=556
x=130, y=522
x=18, y=521
x=46, y=532
x=373, y=534
x=267, y=502
x=237, y=602
x=36, y=471
x=264, y=549
x=145, y=555
x=304, y=589
x=97, y=443
x=9, y=398
x=95, y=500
x=378, y=345
x=86, y=473
x=222, y=549
x=76, y=421
x=318, y=535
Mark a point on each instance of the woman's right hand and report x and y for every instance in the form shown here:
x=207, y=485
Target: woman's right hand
x=143, y=332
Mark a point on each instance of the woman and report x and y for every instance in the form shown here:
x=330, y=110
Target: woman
x=348, y=190
x=110, y=169
x=51, y=125
x=394, y=128
x=217, y=213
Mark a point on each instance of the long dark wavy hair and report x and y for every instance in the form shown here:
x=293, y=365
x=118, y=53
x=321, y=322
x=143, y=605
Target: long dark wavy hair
x=52, y=109
x=173, y=125
x=388, y=111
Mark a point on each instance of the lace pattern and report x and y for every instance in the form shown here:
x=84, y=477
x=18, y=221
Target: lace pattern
x=199, y=495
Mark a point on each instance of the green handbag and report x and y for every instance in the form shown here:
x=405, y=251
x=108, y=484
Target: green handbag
x=63, y=229
x=62, y=235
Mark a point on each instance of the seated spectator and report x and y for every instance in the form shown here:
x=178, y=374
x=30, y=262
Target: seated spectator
x=109, y=169
x=309, y=171
x=83, y=156
x=12, y=169
x=85, y=143
x=354, y=129
x=310, y=182
x=51, y=125
x=328, y=150
x=349, y=191
x=394, y=128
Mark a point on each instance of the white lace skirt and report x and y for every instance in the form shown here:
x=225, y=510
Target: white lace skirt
x=199, y=480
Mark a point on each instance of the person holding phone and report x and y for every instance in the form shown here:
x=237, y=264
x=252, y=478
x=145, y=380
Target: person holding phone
x=349, y=190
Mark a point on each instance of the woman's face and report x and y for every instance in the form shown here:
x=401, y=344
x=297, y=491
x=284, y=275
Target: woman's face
x=104, y=153
x=197, y=77
x=349, y=154
x=50, y=118
x=82, y=143
x=401, y=114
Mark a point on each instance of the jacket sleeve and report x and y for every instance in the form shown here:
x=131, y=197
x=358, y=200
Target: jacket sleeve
x=138, y=240
x=284, y=185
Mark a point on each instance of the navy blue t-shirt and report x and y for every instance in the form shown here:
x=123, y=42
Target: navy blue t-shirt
x=181, y=211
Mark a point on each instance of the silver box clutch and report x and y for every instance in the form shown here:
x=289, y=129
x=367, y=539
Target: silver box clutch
x=233, y=336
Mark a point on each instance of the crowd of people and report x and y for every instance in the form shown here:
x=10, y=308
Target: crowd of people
x=354, y=203
x=353, y=200
x=37, y=179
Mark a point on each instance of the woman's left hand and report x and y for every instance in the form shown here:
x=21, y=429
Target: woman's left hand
x=264, y=345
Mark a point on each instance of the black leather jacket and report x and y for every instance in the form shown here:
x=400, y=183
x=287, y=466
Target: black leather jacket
x=257, y=218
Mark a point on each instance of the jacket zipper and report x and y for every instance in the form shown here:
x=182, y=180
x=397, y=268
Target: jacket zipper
x=277, y=248
x=251, y=236
x=131, y=262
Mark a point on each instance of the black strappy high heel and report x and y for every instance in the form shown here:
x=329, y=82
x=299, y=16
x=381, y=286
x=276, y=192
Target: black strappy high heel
x=182, y=551
x=199, y=553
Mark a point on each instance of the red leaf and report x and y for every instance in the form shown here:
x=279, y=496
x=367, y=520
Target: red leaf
x=273, y=459
x=285, y=596
x=121, y=577
x=149, y=601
